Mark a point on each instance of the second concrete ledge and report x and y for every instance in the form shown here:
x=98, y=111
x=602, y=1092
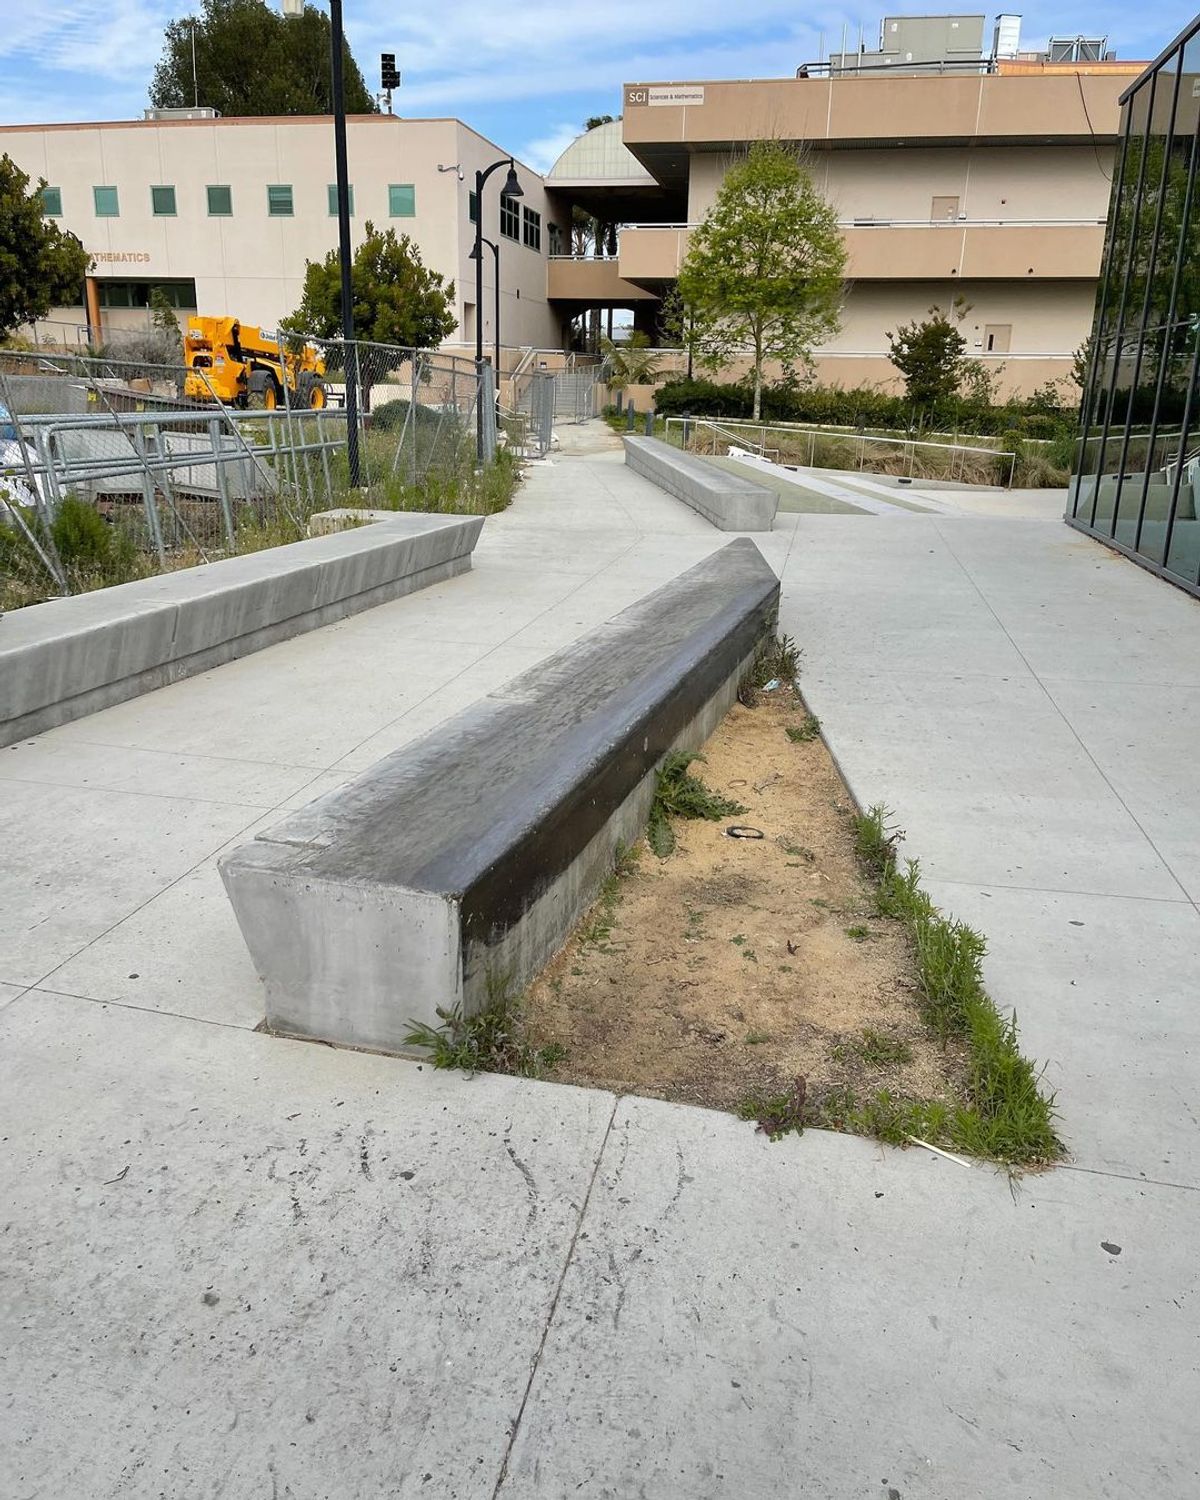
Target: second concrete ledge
x=70, y=657
x=452, y=871
x=730, y=502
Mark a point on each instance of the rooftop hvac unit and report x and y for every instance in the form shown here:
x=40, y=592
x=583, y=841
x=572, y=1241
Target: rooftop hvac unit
x=1006, y=40
x=1078, y=49
x=200, y=112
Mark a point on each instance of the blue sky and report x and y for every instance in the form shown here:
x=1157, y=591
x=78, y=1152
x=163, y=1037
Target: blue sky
x=526, y=74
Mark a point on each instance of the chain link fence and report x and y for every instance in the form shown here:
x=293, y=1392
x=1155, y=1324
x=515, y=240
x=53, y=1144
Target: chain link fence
x=115, y=465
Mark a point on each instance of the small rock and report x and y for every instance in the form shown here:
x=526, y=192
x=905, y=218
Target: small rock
x=1108, y=1246
x=210, y=1299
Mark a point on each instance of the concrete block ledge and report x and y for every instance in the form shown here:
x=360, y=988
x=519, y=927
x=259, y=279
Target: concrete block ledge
x=70, y=657
x=730, y=502
x=455, y=868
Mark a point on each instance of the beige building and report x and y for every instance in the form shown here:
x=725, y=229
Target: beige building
x=224, y=213
x=986, y=179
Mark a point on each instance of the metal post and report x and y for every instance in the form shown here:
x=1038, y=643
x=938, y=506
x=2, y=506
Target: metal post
x=630, y=416
x=214, y=432
x=650, y=423
x=343, y=201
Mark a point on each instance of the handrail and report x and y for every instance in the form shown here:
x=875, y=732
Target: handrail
x=908, y=445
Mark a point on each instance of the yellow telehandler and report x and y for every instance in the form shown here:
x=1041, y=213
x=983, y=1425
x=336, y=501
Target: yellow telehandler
x=246, y=366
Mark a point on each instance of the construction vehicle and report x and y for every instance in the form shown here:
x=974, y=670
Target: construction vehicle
x=244, y=366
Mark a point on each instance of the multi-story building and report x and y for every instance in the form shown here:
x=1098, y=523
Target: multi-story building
x=223, y=214
x=975, y=174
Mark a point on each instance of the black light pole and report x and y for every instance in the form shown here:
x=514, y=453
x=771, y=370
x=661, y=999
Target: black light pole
x=511, y=189
x=343, y=202
x=474, y=255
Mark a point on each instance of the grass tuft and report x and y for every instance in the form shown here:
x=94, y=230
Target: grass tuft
x=679, y=794
x=776, y=659
x=804, y=734
x=490, y=1041
x=1006, y=1116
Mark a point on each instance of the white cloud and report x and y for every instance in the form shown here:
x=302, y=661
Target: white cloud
x=542, y=153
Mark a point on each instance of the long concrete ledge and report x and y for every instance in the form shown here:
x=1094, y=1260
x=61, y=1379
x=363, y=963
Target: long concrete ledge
x=70, y=657
x=452, y=870
x=728, y=501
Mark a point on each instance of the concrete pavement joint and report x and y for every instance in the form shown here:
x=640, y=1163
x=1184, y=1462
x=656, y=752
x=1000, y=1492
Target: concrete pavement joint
x=1182, y=1187
x=567, y=1259
x=154, y=1010
x=1070, y=727
x=78, y=786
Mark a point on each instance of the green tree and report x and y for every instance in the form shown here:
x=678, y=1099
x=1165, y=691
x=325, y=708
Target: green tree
x=677, y=325
x=764, y=270
x=251, y=59
x=41, y=267
x=632, y=363
x=931, y=355
x=397, y=298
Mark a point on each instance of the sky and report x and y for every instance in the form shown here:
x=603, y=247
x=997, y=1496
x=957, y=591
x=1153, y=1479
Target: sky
x=526, y=75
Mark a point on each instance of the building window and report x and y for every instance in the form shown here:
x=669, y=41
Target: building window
x=179, y=293
x=279, y=200
x=220, y=200
x=510, y=218
x=104, y=201
x=162, y=202
x=332, y=190
x=532, y=228
x=996, y=338
x=402, y=200
x=52, y=202
x=1136, y=481
x=473, y=207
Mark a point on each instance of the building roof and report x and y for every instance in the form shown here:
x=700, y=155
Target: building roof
x=598, y=155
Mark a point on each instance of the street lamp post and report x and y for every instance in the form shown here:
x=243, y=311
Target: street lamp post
x=511, y=189
x=474, y=255
x=336, y=46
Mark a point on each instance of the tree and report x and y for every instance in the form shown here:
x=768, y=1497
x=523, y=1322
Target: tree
x=41, y=266
x=764, y=270
x=251, y=59
x=397, y=299
x=677, y=325
x=632, y=363
x=931, y=355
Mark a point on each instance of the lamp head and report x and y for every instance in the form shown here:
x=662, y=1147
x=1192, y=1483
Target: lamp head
x=512, y=188
x=293, y=7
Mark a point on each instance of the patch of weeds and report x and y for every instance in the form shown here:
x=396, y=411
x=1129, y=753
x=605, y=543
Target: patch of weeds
x=776, y=659
x=882, y=1051
x=757, y=1038
x=603, y=918
x=679, y=794
x=858, y=933
x=821, y=903
x=695, y=925
x=738, y=939
x=1006, y=1116
x=750, y=954
x=803, y=734
x=490, y=1041
x=798, y=851
x=777, y=1114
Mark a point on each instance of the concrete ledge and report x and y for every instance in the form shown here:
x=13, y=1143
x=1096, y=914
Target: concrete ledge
x=457, y=866
x=730, y=502
x=70, y=657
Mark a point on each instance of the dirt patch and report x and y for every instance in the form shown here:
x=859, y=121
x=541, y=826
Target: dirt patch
x=739, y=964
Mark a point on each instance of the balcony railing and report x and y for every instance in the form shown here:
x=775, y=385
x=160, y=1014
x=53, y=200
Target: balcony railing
x=961, y=222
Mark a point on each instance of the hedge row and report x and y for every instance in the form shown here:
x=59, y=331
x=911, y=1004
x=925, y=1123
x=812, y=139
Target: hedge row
x=863, y=406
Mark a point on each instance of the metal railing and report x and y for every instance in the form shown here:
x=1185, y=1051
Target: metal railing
x=838, y=448
x=178, y=476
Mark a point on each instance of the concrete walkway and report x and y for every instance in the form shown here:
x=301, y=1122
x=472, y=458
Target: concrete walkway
x=236, y=1266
